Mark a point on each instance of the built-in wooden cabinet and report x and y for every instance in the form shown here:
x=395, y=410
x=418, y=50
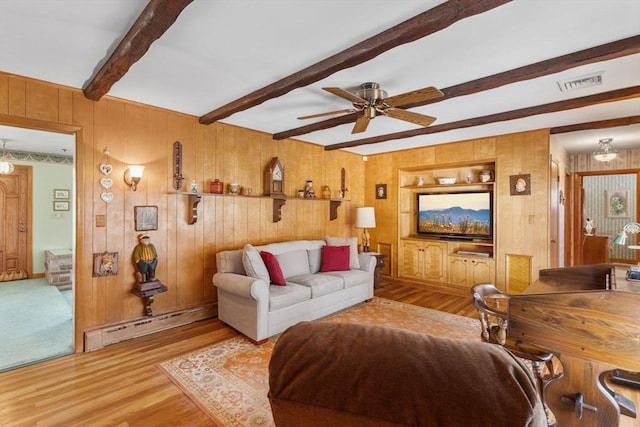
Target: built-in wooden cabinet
x=446, y=261
x=461, y=263
x=423, y=260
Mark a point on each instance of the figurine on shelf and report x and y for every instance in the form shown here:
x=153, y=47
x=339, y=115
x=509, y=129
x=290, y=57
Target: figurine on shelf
x=309, y=192
x=146, y=259
x=588, y=227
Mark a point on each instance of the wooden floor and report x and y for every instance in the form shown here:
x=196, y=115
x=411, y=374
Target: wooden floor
x=120, y=385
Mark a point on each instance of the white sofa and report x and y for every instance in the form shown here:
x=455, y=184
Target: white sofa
x=250, y=304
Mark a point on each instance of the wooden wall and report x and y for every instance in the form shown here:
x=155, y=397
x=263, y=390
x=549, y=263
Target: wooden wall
x=521, y=221
x=140, y=134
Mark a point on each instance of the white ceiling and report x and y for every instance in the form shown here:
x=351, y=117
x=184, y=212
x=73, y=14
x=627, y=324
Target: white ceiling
x=218, y=51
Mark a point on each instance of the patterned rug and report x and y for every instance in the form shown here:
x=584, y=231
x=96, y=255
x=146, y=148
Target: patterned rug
x=229, y=380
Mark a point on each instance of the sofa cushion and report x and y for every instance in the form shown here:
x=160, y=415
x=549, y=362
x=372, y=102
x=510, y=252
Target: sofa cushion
x=315, y=260
x=352, y=242
x=320, y=284
x=284, y=296
x=253, y=264
x=294, y=263
x=335, y=258
x=351, y=277
x=273, y=267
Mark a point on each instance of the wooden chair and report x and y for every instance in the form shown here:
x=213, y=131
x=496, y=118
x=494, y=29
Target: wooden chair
x=491, y=305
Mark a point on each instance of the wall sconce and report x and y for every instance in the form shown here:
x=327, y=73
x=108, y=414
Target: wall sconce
x=133, y=175
x=365, y=218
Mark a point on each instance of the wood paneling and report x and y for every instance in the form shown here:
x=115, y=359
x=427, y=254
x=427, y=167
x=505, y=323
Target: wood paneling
x=139, y=134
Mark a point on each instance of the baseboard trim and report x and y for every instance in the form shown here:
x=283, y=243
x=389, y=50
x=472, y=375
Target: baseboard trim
x=97, y=338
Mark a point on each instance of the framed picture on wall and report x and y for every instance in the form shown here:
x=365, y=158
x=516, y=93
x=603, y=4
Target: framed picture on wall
x=381, y=191
x=617, y=203
x=146, y=218
x=61, y=194
x=60, y=205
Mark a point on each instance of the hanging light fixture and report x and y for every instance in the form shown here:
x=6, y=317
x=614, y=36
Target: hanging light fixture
x=6, y=167
x=605, y=151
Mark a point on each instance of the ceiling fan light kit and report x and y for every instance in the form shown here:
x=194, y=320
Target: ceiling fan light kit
x=370, y=101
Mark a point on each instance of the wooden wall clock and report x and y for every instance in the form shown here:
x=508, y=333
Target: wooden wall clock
x=274, y=178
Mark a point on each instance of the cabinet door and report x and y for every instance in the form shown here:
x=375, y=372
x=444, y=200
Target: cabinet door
x=412, y=260
x=458, y=270
x=435, y=257
x=482, y=271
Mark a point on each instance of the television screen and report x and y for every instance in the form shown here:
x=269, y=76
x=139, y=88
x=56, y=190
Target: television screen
x=465, y=215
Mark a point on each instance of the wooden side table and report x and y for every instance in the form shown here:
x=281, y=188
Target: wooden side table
x=377, y=276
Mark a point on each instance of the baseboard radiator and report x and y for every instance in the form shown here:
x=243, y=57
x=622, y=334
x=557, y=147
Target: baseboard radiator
x=95, y=339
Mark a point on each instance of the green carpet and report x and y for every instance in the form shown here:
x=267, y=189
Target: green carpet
x=35, y=323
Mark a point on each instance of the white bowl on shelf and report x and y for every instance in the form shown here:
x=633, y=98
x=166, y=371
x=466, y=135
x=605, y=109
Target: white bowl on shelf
x=446, y=180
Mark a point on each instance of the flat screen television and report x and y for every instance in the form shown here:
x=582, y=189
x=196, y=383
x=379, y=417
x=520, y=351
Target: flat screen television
x=465, y=215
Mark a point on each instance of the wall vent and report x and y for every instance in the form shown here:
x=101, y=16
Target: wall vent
x=593, y=79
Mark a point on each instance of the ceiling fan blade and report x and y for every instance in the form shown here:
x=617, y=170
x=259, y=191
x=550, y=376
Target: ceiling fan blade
x=345, y=94
x=409, y=116
x=415, y=96
x=328, y=113
x=361, y=124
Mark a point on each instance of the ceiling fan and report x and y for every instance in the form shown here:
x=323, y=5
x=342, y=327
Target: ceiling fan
x=371, y=101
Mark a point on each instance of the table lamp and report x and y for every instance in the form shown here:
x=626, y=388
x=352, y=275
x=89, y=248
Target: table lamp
x=365, y=218
x=633, y=228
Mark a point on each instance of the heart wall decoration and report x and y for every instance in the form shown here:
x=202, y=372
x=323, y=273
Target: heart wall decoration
x=105, y=168
x=106, y=183
x=107, y=196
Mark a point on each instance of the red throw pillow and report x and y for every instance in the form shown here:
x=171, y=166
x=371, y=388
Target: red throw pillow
x=273, y=267
x=335, y=258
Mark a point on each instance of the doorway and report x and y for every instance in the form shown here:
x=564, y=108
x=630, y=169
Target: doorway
x=609, y=200
x=37, y=212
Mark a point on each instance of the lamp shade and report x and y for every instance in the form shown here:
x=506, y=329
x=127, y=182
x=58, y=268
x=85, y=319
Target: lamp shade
x=365, y=217
x=136, y=171
x=630, y=228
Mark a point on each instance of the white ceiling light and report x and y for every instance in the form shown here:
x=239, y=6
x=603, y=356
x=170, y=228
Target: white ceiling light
x=5, y=166
x=605, y=151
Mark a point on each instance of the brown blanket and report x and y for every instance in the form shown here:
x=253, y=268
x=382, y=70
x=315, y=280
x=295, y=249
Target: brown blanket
x=326, y=374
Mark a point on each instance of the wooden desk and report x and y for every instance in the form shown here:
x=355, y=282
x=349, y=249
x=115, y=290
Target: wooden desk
x=590, y=331
x=583, y=278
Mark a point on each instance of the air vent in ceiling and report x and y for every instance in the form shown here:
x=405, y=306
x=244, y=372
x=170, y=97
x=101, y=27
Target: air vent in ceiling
x=593, y=79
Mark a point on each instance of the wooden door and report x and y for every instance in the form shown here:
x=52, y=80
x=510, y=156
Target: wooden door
x=554, y=216
x=15, y=254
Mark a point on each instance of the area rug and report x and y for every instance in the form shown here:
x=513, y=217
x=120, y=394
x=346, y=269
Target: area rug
x=229, y=380
x=35, y=323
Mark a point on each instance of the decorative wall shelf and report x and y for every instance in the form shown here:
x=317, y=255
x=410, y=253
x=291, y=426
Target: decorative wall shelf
x=458, y=184
x=278, y=203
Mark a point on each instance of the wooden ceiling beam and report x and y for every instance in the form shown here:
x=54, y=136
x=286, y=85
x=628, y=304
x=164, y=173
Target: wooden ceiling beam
x=568, y=104
x=415, y=28
x=600, y=124
x=617, y=49
x=153, y=22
